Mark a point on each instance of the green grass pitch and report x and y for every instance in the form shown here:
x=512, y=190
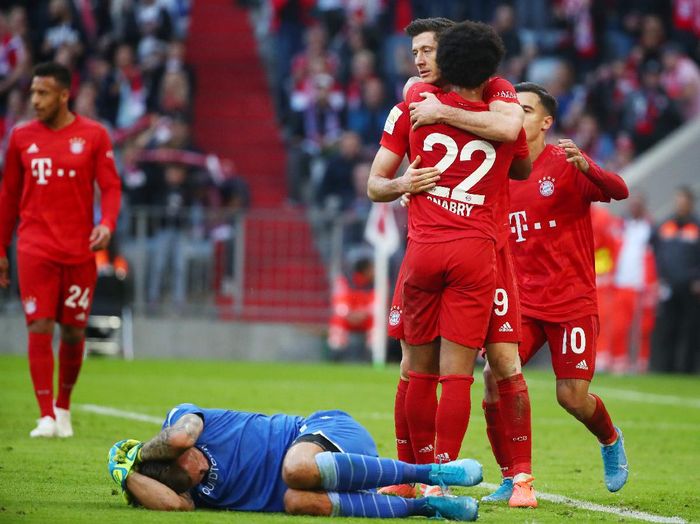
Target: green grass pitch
x=55, y=481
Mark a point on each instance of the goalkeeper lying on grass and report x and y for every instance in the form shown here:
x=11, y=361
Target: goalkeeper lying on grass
x=325, y=464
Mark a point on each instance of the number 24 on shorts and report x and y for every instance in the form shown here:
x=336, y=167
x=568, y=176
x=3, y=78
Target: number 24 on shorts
x=82, y=296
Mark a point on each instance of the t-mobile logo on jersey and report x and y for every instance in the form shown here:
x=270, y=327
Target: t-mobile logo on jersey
x=519, y=224
x=42, y=168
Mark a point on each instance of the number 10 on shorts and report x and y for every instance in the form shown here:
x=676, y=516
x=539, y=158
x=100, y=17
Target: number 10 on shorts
x=576, y=340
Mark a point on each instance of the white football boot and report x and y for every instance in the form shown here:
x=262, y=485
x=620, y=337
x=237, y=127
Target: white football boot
x=46, y=427
x=64, y=429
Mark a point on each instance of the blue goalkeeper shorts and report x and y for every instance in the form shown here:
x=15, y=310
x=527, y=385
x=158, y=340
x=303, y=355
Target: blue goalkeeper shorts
x=338, y=428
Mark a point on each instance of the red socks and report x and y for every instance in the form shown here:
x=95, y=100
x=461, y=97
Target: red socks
x=41, y=370
x=70, y=360
x=404, y=450
x=514, y=407
x=600, y=424
x=452, y=416
x=419, y=408
x=497, y=437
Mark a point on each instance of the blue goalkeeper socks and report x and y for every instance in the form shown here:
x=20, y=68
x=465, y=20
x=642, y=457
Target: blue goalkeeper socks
x=373, y=505
x=351, y=472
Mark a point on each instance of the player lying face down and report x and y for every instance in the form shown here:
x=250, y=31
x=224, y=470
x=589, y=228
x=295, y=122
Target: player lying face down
x=318, y=465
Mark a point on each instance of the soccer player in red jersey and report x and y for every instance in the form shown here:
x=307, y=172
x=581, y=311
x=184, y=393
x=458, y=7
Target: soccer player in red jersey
x=51, y=166
x=502, y=122
x=552, y=244
x=450, y=263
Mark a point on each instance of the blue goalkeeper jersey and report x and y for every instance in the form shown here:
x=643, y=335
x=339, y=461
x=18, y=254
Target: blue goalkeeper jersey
x=245, y=453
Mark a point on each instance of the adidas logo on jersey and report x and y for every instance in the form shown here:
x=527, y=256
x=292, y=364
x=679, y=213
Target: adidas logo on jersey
x=33, y=149
x=582, y=365
x=80, y=317
x=505, y=328
x=426, y=449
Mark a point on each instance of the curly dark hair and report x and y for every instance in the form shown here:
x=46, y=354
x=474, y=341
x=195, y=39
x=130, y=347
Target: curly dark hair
x=428, y=25
x=548, y=101
x=469, y=53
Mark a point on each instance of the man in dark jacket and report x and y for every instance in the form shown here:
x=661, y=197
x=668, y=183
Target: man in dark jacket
x=676, y=243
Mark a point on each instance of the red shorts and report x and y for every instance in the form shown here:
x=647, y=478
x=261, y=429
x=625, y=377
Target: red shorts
x=62, y=292
x=572, y=345
x=505, y=323
x=448, y=291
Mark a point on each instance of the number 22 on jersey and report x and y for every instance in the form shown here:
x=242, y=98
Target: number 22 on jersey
x=460, y=192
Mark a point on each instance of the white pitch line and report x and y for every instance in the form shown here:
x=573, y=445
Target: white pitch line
x=649, y=398
x=113, y=412
x=631, y=395
x=591, y=506
x=551, y=497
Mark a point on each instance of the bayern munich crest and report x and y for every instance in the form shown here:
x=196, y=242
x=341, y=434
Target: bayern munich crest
x=30, y=305
x=546, y=186
x=394, y=316
x=77, y=145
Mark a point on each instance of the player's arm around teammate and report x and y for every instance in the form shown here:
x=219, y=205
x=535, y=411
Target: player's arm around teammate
x=503, y=122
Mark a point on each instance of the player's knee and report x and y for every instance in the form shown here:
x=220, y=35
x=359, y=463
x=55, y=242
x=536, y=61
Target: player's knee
x=72, y=334
x=570, y=400
x=300, y=472
x=41, y=326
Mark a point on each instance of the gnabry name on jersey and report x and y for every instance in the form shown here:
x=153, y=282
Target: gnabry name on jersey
x=461, y=209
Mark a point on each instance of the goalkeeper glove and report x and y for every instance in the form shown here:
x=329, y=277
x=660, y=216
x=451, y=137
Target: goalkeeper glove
x=123, y=456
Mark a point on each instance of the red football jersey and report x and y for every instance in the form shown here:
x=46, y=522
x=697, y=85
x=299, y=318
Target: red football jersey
x=552, y=238
x=48, y=182
x=474, y=176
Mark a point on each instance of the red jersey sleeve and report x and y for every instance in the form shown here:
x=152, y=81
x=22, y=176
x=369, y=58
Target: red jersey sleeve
x=599, y=185
x=10, y=194
x=520, y=149
x=107, y=180
x=498, y=88
x=396, y=129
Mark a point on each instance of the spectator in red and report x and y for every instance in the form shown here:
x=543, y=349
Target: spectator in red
x=352, y=305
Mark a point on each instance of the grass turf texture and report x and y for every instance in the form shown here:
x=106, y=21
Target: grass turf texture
x=67, y=481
